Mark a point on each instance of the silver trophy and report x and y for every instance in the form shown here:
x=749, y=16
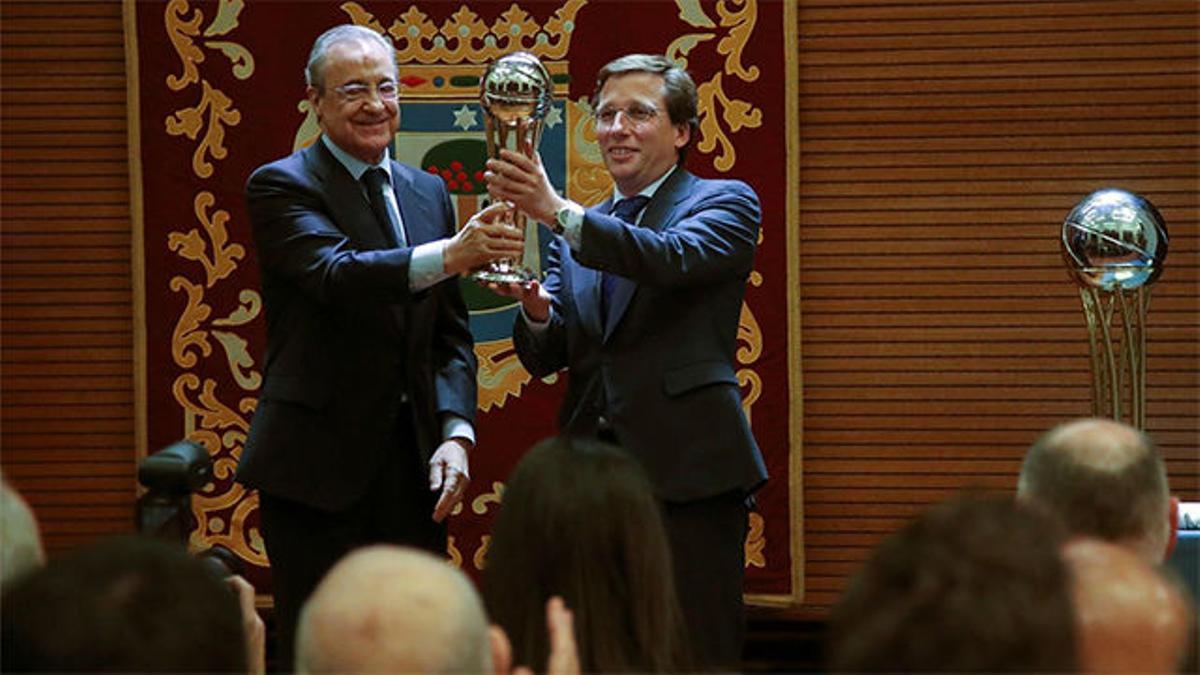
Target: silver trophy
x=1114, y=244
x=516, y=95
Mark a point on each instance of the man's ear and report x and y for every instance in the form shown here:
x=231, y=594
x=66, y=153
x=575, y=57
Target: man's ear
x=313, y=95
x=1173, y=522
x=501, y=650
x=683, y=134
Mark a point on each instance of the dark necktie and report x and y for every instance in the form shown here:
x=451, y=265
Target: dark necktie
x=376, y=179
x=626, y=210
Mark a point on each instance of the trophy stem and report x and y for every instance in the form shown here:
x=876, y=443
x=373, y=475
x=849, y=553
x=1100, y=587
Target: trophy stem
x=1143, y=306
x=1118, y=365
x=1091, y=313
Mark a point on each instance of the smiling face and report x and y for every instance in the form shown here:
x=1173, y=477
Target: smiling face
x=362, y=128
x=637, y=154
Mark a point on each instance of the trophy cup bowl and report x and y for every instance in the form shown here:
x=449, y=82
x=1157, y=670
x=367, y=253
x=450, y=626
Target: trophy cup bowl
x=516, y=95
x=1114, y=240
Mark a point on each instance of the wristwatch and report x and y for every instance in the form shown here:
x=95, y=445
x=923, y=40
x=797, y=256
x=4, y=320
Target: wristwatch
x=570, y=215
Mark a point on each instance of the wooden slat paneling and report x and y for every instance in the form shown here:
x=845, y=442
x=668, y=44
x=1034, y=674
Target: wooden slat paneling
x=941, y=146
x=66, y=319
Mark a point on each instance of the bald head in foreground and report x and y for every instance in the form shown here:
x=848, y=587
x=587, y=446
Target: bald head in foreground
x=1103, y=479
x=392, y=609
x=21, y=549
x=1129, y=617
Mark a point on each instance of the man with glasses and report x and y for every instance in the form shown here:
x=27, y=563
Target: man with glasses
x=641, y=303
x=364, y=421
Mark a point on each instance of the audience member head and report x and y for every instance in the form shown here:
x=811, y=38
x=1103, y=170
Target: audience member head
x=1106, y=480
x=580, y=520
x=126, y=604
x=1129, y=617
x=392, y=609
x=20, y=541
x=973, y=584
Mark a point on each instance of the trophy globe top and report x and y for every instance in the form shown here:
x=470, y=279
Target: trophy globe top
x=1114, y=240
x=516, y=87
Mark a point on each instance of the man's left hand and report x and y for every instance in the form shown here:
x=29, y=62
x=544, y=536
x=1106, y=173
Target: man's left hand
x=522, y=181
x=448, y=472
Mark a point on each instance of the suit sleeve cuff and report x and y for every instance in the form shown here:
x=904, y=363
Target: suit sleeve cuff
x=536, y=327
x=572, y=225
x=454, y=426
x=426, y=269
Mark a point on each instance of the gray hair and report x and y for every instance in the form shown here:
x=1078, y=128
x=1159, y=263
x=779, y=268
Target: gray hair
x=314, y=72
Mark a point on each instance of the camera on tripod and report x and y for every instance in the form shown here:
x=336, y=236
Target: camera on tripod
x=170, y=476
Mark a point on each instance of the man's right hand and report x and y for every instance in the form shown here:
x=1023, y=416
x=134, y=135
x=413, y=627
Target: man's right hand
x=482, y=240
x=534, y=299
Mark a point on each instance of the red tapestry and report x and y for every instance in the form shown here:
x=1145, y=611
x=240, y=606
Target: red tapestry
x=220, y=90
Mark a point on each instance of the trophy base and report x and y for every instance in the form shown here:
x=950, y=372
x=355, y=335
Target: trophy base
x=503, y=276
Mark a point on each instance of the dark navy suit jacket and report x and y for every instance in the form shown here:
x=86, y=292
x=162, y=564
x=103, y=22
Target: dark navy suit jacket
x=661, y=369
x=346, y=338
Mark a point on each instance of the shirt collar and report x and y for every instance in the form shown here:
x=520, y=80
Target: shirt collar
x=649, y=190
x=354, y=165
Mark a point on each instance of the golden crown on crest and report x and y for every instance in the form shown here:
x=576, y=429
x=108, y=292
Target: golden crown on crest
x=466, y=38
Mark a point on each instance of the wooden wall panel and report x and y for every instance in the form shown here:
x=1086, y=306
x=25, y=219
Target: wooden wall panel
x=66, y=321
x=942, y=144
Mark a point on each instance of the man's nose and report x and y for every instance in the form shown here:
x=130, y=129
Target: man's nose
x=622, y=120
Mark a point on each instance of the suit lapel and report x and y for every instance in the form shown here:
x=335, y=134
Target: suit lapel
x=660, y=214
x=350, y=210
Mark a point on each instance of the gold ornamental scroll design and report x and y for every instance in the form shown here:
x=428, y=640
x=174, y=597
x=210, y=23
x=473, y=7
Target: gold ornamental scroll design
x=210, y=416
x=466, y=38
x=480, y=506
x=756, y=541
x=750, y=335
x=205, y=121
x=218, y=426
x=212, y=250
x=720, y=114
x=588, y=180
x=500, y=373
x=221, y=508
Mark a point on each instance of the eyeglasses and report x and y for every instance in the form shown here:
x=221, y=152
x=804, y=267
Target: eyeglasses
x=357, y=92
x=637, y=114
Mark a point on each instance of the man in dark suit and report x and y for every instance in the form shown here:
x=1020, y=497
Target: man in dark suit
x=641, y=303
x=369, y=393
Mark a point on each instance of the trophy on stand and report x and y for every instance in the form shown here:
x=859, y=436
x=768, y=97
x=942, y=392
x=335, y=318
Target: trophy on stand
x=516, y=95
x=1114, y=244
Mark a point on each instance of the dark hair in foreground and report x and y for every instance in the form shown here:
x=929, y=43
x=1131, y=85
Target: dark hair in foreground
x=974, y=584
x=127, y=604
x=580, y=520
